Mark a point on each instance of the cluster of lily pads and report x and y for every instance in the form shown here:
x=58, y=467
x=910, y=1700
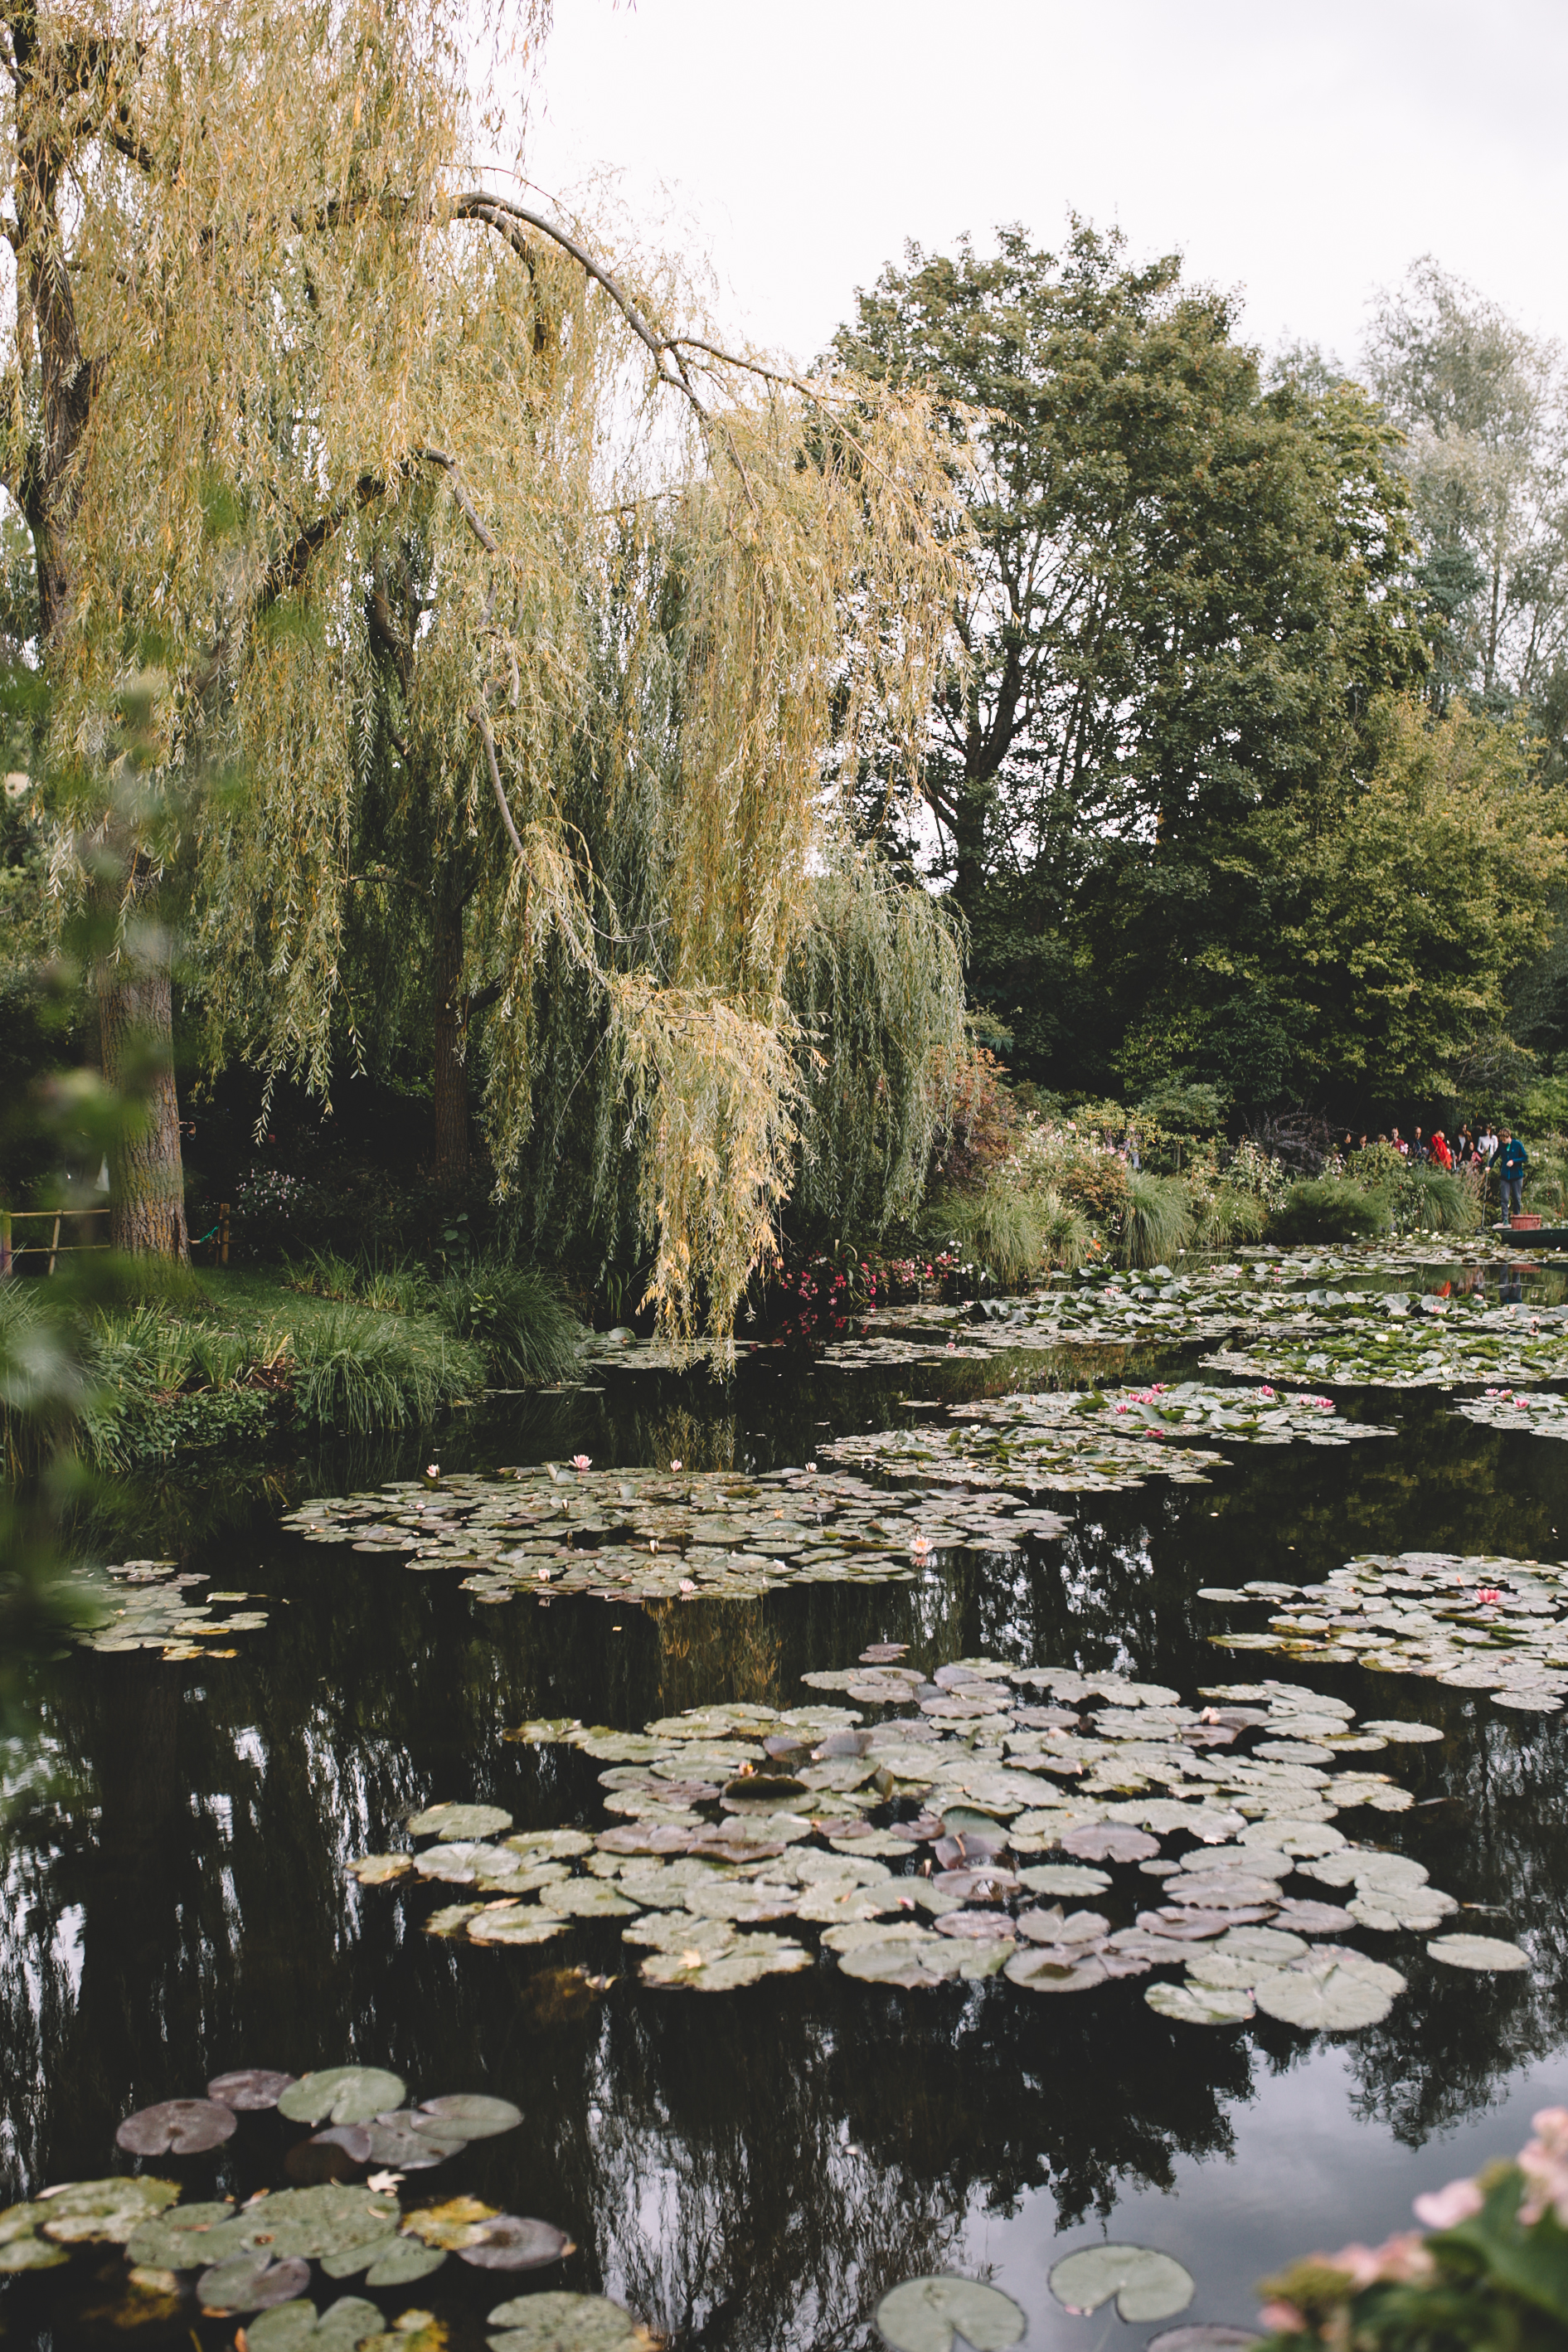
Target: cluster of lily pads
x=1096, y=1439
x=1444, y=1345
x=934, y=2315
x=1469, y=1620
x=143, y=1606
x=911, y=1844
x=1541, y=1413
x=254, y=2261
x=645, y=1535
x=1162, y=1307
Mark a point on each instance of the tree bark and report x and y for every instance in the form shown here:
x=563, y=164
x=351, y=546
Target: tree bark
x=146, y=1176
x=449, y=1074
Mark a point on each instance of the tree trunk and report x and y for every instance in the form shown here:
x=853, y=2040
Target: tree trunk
x=136, y=1033
x=973, y=801
x=449, y=1077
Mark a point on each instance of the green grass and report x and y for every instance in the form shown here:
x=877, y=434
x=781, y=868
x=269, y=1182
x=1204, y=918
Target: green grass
x=252, y=1353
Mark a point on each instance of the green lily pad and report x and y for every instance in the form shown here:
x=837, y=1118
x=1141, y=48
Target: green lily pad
x=296, y=2327
x=347, y=2095
x=1202, y=2001
x=929, y=2314
x=1146, y=2283
x=556, y=2321
x=379, y=1869
x=21, y=2248
x=1480, y=1952
x=313, y=2223
x=1331, y=1992
x=469, y=2112
x=459, y=1821
x=102, y=2210
x=252, y=2283
x=175, y=2241
x=746, y=1961
x=521, y=1923
x=177, y=2127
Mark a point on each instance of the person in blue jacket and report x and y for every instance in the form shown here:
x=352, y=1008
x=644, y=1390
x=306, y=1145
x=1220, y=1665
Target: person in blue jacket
x=1511, y=1163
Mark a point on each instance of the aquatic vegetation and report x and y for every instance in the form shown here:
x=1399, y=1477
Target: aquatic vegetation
x=658, y=1535
x=1144, y=2284
x=809, y=1823
x=255, y=2259
x=1096, y=1439
x=930, y=2315
x=1470, y=1622
x=141, y=1604
x=1543, y=1413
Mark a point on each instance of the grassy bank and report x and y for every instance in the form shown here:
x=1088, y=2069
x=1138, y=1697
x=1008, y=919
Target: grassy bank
x=247, y=1355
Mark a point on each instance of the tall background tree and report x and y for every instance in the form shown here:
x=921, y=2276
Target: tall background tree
x=1184, y=595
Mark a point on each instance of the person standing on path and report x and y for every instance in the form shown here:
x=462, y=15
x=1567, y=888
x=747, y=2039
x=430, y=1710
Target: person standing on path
x=1511, y=1163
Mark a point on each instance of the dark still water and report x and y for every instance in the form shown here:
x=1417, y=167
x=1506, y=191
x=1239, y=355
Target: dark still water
x=753, y=2169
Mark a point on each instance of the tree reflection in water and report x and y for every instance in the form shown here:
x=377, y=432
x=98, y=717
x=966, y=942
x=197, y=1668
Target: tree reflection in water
x=749, y=2170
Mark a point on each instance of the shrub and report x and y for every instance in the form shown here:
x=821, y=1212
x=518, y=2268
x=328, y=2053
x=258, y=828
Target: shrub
x=516, y=1318
x=1158, y=1225
x=1326, y=1209
x=1065, y=1231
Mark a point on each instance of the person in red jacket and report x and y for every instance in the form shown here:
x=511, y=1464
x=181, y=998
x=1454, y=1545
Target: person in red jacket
x=1441, y=1155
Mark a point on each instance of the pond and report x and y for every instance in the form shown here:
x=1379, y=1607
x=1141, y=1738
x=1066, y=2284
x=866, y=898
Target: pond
x=754, y=2167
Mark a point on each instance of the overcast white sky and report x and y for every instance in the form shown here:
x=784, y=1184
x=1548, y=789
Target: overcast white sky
x=1303, y=155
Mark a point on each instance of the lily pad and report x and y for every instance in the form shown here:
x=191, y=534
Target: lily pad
x=110, y=2212
x=450, y=1821
x=929, y=2314
x=515, y=2242
x=1146, y=2284
x=250, y=2089
x=470, y=2112
x=252, y=2283
x=1480, y=1952
x=296, y=2327
x=1202, y=2003
x=555, y=2322
x=1332, y=1993
x=349, y=2095
x=1110, y=1842
x=177, y=2127
x=176, y=2240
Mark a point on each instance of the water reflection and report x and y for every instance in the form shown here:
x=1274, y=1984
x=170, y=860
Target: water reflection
x=748, y=2169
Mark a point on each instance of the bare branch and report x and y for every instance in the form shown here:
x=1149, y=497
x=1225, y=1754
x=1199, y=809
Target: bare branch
x=482, y=720
x=487, y=540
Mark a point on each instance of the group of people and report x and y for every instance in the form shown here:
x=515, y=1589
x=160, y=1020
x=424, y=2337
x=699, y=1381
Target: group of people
x=1493, y=1149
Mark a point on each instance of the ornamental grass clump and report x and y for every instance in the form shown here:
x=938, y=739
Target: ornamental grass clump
x=1330, y=1208
x=1158, y=1225
x=357, y=1371
x=517, y=1318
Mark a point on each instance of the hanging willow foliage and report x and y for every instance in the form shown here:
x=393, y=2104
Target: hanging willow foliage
x=876, y=983
x=390, y=471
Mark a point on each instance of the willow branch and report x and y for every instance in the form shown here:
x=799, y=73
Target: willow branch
x=482, y=720
x=454, y=483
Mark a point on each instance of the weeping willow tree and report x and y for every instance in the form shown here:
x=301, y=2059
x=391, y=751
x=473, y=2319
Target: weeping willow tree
x=374, y=471
x=877, y=986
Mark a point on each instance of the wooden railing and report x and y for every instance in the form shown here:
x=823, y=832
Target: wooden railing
x=15, y=1251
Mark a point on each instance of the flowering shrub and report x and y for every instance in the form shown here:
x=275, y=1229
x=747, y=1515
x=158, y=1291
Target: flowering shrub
x=1490, y=2270
x=829, y=1287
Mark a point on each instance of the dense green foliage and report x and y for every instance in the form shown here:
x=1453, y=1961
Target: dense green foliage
x=1181, y=783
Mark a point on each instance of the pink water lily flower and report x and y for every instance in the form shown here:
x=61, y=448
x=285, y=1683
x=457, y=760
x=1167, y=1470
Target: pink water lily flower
x=1441, y=2209
x=686, y=1584
x=1266, y=1395
x=674, y=1466
x=581, y=1461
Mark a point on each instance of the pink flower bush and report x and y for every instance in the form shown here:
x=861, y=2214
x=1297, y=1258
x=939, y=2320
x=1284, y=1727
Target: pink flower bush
x=1544, y=2164
x=1441, y=2208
